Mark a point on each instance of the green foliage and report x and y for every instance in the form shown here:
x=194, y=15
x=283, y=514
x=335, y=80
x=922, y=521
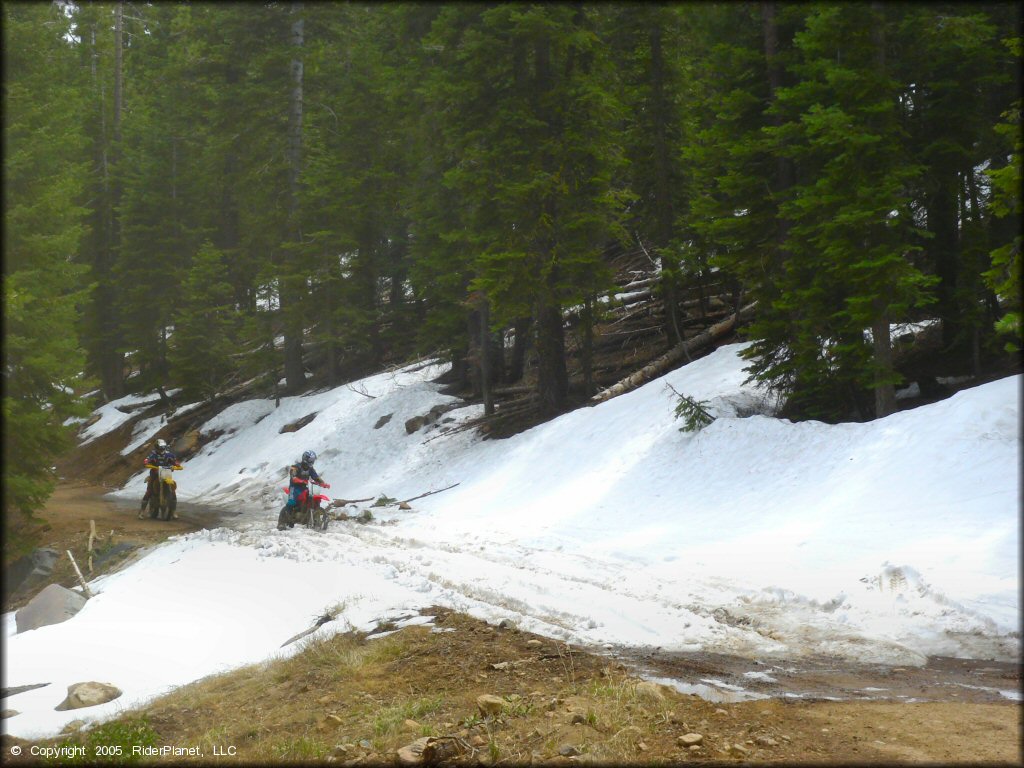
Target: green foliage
x=455, y=154
x=110, y=743
x=1004, y=276
x=694, y=413
x=208, y=326
x=43, y=225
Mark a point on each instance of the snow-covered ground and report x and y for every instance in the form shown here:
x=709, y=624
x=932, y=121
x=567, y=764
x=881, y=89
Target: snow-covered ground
x=886, y=541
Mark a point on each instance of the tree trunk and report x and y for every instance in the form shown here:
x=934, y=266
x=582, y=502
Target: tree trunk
x=113, y=358
x=587, y=354
x=885, y=391
x=552, y=377
x=290, y=294
x=485, y=357
x=517, y=364
x=784, y=171
x=675, y=355
x=662, y=187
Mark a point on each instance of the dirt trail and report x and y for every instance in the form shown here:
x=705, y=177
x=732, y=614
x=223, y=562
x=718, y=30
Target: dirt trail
x=74, y=503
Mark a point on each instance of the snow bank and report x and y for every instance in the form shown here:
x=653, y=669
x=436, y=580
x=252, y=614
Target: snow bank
x=884, y=542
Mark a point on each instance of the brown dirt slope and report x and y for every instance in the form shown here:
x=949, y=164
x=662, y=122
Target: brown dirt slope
x=357, y=700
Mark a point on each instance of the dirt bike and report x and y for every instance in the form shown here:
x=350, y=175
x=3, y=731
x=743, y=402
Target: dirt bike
x=311, y=509
x=164, y=497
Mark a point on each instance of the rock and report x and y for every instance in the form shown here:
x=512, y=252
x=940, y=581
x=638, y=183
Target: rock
x=765, y=741
x=477, y=741
x=74, y=725
x=641, y=746
x=648, y=691
x=404, y=506
x=185, y=445
x=695, y=748
x=568, y=750
x=340, y=750
x=490, y=705
x=412, y=754
x=690, y=740
x=721, y=712
x=577, y=719
x=325, y=699
x=88, y=694
x=8, y=713
x=738, y=750
x=428, y=751
x=295, y=426
x=383, y=420
x=365, y=744
x=534, y=642
x=506, y=624
x=415, y=424
x=411, y=725
x=52, y=605
x=28, y=573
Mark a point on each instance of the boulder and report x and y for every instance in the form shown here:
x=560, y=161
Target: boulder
x=88, y=695
x=52, y=605
x=26, y=574
x=490, y=705
x=383, y=420
x=689, y=739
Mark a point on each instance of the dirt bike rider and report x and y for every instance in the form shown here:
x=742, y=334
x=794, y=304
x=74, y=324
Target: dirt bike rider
x=302, y=470
x=160, y=456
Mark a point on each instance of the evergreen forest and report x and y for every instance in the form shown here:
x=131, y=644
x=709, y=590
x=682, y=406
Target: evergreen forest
x=277, y=195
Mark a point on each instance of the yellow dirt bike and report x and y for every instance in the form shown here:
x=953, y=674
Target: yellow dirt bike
x=164, y=497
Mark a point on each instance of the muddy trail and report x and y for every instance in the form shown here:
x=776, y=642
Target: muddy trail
x=122, y=536
x=731, y=679
x=714, y=677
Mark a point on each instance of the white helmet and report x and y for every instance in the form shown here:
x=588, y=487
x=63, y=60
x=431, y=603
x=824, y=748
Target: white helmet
x=161, y=444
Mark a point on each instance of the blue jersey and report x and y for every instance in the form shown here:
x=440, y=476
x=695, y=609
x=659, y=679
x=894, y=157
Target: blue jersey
x=165, y=459
x=304, y=471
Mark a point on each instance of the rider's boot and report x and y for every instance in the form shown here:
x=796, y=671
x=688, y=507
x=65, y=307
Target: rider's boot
x=284, y=520
x=142, y=509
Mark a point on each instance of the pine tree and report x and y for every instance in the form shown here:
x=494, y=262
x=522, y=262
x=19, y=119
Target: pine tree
x=44, y=176
x=852, y=234
x=1004, y=276
x=204, y=343
x=530, y=123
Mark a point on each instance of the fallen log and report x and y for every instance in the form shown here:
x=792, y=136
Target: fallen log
x=345, y=502
x=78, y=572
x=428, y=493
x=679, y=352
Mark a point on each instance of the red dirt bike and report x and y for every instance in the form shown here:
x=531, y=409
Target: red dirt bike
x=164, y=496
x=311, y=509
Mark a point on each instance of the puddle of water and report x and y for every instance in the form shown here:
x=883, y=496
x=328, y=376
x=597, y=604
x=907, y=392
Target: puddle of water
x=710, y=692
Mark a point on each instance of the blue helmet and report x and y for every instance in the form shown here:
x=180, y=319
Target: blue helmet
x=309, y=457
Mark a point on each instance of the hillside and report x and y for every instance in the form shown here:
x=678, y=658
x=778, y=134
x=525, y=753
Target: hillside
x=892, y=542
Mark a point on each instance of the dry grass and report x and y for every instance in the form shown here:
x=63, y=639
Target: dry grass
x=357, y=701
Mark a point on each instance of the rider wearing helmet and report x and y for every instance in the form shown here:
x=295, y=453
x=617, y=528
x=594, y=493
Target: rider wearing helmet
x=302, y=470
x=160, y=456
